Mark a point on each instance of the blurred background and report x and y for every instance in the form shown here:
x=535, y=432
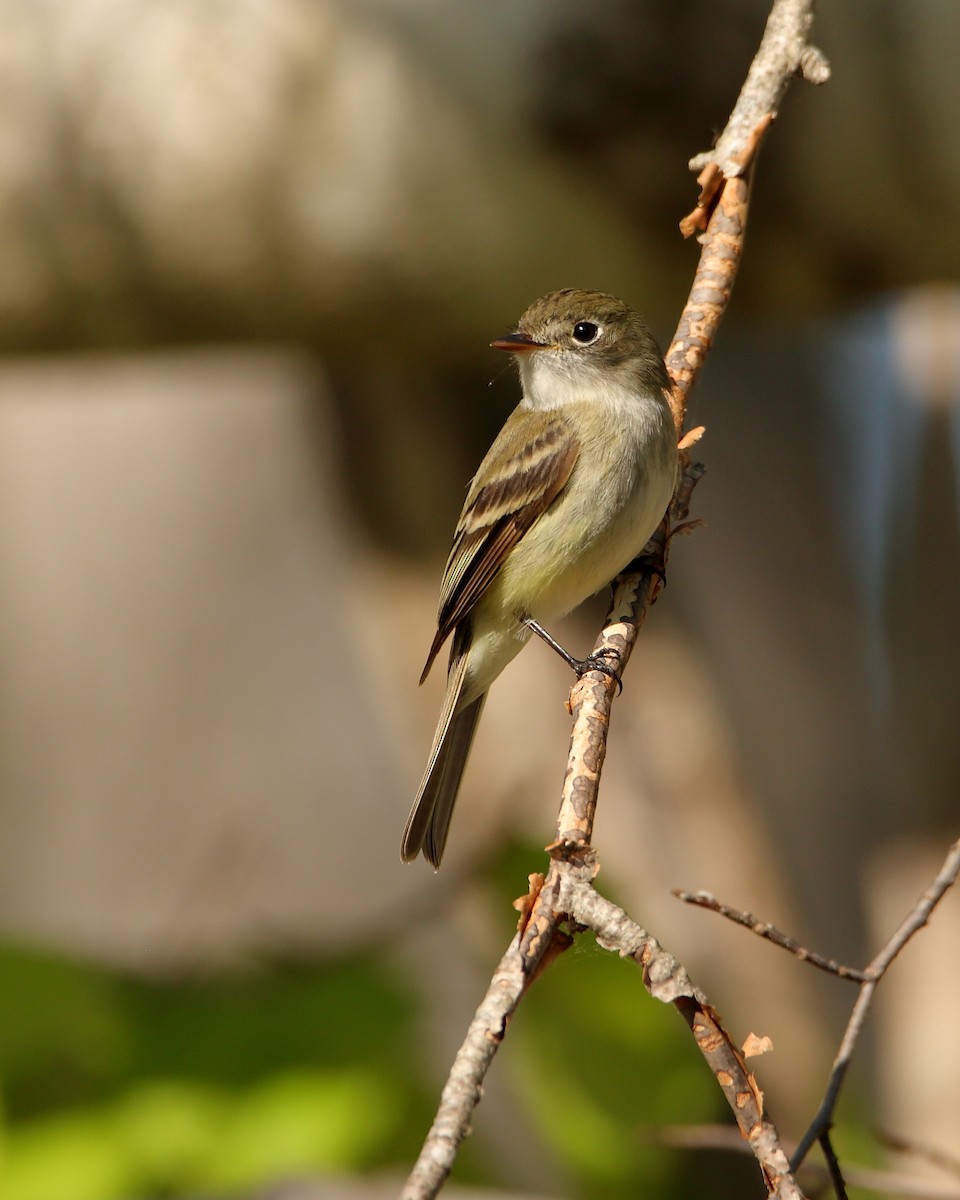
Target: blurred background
x=251, y=257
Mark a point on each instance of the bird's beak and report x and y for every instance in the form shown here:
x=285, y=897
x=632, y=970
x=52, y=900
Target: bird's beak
x=517, y=343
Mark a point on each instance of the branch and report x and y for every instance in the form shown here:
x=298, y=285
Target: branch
x=782, y=51
x=463, y=1088
x=912, y=923
x=667, y=980
x=725, y=184
x=764, y=929
x=724, y=1137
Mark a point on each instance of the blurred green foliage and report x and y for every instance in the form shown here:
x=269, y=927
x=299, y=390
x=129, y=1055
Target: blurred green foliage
x=116, y=1086
x=635, y=1067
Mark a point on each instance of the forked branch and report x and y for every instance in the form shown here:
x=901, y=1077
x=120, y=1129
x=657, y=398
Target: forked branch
x=912, y=923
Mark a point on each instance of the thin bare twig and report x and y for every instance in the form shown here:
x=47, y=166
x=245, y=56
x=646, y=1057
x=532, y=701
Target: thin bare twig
x=833, y=1165
x=914, y=921
x=770, y=932
x=725, y=1137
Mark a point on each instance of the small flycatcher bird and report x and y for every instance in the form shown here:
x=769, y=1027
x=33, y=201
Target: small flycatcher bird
x=569, y=494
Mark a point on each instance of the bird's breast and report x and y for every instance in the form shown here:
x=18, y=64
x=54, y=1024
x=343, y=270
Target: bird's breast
x=591, y=532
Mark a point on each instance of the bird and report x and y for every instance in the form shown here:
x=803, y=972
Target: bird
x=570, y=492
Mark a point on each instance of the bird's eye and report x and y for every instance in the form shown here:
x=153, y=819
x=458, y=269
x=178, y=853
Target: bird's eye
x=585, y=332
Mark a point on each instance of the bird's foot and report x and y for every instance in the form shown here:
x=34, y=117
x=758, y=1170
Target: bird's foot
x=597, y=662
x=593, y=662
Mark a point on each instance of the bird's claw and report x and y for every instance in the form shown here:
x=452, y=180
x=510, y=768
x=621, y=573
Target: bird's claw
x=597, y=662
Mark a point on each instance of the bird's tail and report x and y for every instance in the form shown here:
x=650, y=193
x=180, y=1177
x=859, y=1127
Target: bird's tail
x=429, y=820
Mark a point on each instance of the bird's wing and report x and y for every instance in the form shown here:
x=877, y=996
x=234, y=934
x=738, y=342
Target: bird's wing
x=525, y=470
